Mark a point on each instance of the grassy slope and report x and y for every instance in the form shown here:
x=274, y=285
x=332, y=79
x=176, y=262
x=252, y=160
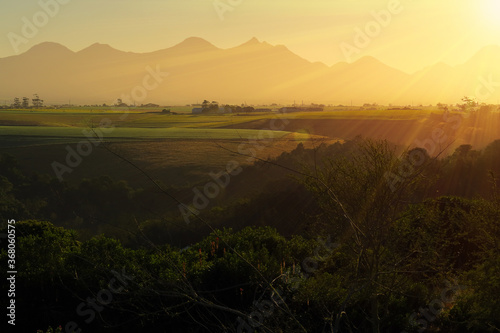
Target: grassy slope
x=176, y=149
x=192, y=143
x=135, y=133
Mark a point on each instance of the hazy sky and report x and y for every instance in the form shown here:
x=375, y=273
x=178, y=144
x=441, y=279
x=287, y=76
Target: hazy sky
x=417, y=33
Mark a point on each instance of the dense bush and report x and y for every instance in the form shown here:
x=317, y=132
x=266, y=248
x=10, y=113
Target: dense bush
x=421, y=255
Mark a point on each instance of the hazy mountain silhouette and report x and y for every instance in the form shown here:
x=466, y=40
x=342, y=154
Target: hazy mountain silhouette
x=255, y=72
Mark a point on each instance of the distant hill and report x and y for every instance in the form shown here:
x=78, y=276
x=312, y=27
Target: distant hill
x=255, y=72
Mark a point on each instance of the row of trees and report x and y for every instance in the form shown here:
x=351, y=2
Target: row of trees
x=25, y=103
x=468, y=105
x=209, y=107
x=213, y=107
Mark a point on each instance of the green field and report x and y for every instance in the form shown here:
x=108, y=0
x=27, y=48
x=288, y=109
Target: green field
x=152, y=119
x=135, y=119
x=184, y=145
x=176, y=149
x=136, y=133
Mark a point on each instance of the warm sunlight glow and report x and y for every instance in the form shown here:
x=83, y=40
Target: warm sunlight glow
x=491, y=11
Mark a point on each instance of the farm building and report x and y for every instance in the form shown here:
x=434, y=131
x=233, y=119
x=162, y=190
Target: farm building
x=225, y=109
x=290, y=109
x=301, y=109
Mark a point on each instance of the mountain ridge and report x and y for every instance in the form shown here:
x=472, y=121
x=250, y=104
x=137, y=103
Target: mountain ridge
x=254, y=71
x=254, y=41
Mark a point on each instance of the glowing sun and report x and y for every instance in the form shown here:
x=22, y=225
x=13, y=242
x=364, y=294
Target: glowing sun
x=491, y=11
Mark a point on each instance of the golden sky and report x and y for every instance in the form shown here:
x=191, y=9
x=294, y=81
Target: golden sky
x=408, y=34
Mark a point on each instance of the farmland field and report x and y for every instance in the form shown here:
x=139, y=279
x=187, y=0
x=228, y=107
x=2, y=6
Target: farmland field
x=173, y=148
x=169, y=145
x=136, y=133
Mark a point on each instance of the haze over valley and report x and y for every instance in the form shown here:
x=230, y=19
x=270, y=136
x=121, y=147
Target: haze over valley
x=255, y=72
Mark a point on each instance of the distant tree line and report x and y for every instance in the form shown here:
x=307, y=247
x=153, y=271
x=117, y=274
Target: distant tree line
x=25, y=102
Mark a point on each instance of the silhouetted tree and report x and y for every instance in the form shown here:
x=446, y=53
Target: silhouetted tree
x=17, y=103
x=362, y=207
x=26, y=103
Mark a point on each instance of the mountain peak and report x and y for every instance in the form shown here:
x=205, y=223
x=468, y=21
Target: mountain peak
x=103, y=51
x=490, y=48
x=49, y=48
x=367, y=60
x=488, y=51
x=195, y=44
x=487, y=55
x=252, y=41
x=98, y=47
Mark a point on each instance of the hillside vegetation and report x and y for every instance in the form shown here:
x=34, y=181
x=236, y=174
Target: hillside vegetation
x=344, y=237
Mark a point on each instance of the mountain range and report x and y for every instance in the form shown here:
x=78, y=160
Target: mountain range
x=254, y=72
